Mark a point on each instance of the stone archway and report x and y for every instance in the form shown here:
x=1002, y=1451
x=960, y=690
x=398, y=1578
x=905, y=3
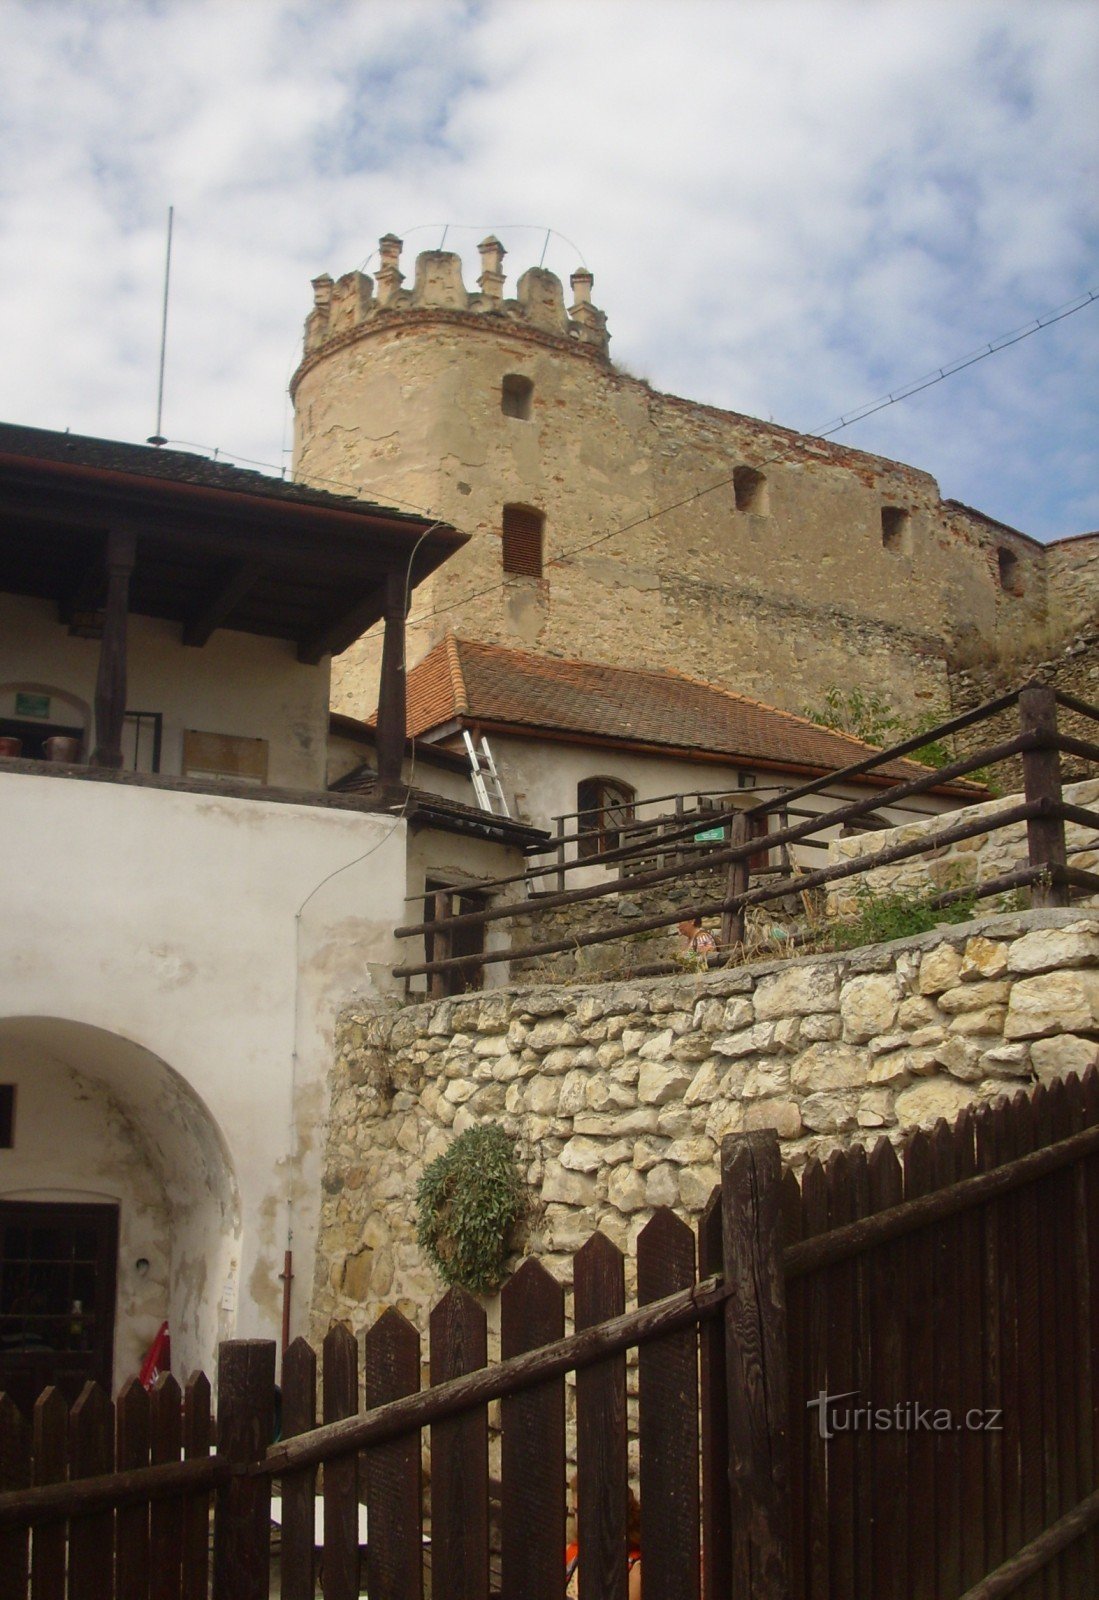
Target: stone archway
x=100, y=1120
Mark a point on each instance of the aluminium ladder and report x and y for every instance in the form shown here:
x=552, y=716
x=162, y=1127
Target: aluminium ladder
x=486, y=779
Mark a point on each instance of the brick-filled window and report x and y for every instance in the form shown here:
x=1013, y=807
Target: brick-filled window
x=523, y=531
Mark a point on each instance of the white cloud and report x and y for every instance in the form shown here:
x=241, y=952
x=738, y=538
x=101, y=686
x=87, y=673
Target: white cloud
x=789, y=207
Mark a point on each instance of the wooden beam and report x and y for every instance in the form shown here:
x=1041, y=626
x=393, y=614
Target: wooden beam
x=351, y=625
x=392, y=713
x=220, y=603
x=110, y=683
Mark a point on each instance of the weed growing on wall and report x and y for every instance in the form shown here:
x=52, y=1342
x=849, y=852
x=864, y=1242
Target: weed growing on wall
x=881, y=917
x=467, y=1202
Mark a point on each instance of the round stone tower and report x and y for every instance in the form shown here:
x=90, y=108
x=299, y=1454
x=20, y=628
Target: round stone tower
x=614, y=523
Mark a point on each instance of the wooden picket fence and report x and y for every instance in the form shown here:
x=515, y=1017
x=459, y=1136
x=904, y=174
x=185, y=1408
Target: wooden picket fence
x=959, y=1275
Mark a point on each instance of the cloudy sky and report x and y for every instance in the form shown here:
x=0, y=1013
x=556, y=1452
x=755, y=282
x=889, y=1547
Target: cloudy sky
x=791, y=207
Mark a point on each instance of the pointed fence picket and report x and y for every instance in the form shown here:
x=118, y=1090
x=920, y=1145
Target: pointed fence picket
x=960, y=1272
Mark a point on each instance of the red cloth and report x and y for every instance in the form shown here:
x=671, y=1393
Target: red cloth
x=158, y=1358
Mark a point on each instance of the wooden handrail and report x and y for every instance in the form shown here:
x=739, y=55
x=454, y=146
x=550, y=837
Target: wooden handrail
x=1011, y=1574
x=52, y=1502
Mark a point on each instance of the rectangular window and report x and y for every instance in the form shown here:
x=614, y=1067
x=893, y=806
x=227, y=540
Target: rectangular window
x=7, y=1115
x=522, y=552
x=224, y=755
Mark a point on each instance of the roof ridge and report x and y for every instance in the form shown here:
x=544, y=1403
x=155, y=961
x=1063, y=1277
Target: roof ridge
x=457, y=676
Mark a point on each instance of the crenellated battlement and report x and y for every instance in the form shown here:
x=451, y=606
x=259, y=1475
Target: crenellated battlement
x=356, y=300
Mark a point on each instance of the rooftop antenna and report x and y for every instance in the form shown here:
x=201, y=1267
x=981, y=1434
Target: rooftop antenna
x=158, y=438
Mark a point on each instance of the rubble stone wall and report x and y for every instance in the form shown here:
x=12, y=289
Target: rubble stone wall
x=617, y=1095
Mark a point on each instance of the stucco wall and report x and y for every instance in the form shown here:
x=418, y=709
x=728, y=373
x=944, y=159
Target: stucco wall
x=617, y=1095
x=236, y=684
x=188, y=954
x=779, y=601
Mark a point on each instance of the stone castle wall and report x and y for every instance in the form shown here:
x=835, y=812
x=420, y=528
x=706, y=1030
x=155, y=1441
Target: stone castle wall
x=617, y=1095
x=399, y=397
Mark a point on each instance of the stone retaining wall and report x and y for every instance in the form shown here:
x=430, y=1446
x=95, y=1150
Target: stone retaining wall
x=618, y=1094
x=958, y=866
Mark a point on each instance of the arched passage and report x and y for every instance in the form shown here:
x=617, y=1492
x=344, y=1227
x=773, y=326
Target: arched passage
x=103, y=1126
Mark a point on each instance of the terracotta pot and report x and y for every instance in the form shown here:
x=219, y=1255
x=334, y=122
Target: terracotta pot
x=10, y=746
x=62, y=747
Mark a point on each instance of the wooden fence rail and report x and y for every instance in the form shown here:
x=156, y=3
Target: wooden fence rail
x=885, y=1383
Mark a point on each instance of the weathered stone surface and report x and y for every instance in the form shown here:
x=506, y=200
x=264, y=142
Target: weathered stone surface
x=1009, y=1058
x=875, y=1108
x=924, y=1103
x=961, y=1057
x=626, y=1189
x=549, y=1035
x=1045, y=948
x=569, y=1188
x=1056, y=1002
x=782, y=1115
x=705, y=1084
x=974, y=996
x=769, y=1077
x=868, y=1006
x=658, y=1047
x=1056, y=1058
x=990, y=1020
x=756, y=1040
x=661, y=1081
x=696, y=1185
x=916, y=1012
x=983, y=958
x=738, y=1013
x=939, y=970
x=798, y=991
x=819, y=1026
x=829, y=1066
x=893, y=1068
x=662, y=1185
x=642, y=1120
x=830, y=1111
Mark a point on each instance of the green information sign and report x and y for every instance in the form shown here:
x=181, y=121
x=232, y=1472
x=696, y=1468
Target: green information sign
x=32, y=705
x=709, y=834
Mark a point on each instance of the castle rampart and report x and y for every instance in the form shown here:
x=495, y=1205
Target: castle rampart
x=656, y=531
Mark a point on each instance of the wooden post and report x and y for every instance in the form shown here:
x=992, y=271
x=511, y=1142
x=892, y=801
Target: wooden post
x=1042, y=781
x=110, y=683
x=441, y=942
x=560, y=855
x=392, y=715
x=732, y=922
x=755, y=1358
x=246, y=1421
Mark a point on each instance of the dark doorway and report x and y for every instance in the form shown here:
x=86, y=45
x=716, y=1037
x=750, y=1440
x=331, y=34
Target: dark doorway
x=461, y=941
x=57, y=1292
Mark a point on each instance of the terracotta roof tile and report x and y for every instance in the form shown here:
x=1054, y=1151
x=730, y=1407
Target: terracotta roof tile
x=461, y=679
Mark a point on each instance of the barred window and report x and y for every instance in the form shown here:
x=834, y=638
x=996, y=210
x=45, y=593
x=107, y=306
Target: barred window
x=522, y=553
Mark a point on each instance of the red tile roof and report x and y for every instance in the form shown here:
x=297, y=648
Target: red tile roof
x=463, y=680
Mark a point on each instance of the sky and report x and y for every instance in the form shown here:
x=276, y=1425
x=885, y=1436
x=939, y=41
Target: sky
x=791, y=207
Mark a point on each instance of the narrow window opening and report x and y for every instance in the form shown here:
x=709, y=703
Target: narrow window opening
x=896, y=530
x=1011, y=577
x=7, y=1115
x=441, y=902
x=522, y=542
x=517, y=396
x=750, y=490
x=604, y=806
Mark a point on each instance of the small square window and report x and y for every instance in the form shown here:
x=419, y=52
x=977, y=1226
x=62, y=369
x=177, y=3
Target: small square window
x=896, y=530
x=517, y=396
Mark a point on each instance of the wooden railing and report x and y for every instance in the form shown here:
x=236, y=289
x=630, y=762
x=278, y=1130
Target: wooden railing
x=957, y=1275
x=1046, y=872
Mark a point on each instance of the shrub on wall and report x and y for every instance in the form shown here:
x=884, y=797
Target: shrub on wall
x=467, y=1201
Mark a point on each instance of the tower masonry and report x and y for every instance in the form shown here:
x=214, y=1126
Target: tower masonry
x=612, y=522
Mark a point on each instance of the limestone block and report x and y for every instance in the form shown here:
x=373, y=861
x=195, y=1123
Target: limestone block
x=568, y=1188
x=887, y=1042
x=782, y=1115
x=694, y=1151
x=915, y=1012
x=662, y=1185
x=753, y=1041
x=788, y=1033
x=692, y=1047
x=939, y=970
x=875, y=1108
x=1056, y=1058
x=1056, y=1002
x=644, y=1119
x=543, y=1096
x=658, y=1047
x=708, y=1015
x=1009, y=1058
x=633, y=1039
x=820, y=1026
x=549, y=1035
x=923, y=1063
x=626, y=1189
x=696, y=1185
x=1042, y=949
x=974, y=996
x=459, y=1090
x=725, y=1117
x=868, y=1006
x=572, y=1096
x=983, y=958
x=769, y=1077
x=830, y=1111
x=563, y=1059
x=705, y=1084
x=798, y=991
x=924, y=1103
x=648, y=1152
x=829, y=1066
x=961, y=1057
x=589, y=1008
x=991, y=1020
x=604, y=1094
x=892, y=1068
x=921, y=1038
x=676, y=1120
x=491, y=1044
x=738, y=1013
x=609, y=1053
x=582, y=1155
x=661, y=1081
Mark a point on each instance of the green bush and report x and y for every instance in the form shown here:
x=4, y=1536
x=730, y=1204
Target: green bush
x=467, y=1201
x=881, y=917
